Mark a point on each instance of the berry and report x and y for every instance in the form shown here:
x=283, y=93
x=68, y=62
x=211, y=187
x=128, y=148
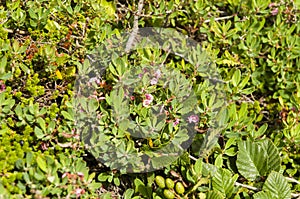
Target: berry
x=160, y=181
x=170, y=183
x=169, y=194
x=179, y=188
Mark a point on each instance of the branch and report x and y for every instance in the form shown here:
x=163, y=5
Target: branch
x=292, y=180
x=246, y=186
x=219, y=18
x=22, y=32
x=294, y=195
x=135, y=26
x=193, y=158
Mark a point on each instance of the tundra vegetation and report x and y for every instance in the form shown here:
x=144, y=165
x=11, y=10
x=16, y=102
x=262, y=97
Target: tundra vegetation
x=253, y=45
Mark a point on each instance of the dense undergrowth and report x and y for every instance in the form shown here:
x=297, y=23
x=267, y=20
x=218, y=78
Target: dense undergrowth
x=254, y=46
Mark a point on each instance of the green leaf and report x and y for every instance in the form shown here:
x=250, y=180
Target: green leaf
x=262, y=195
x=278, y=186
x=214, y=195
x=32, y=14
x=67, y=115
x=251, y=160
x=140, y=187
x=93, y=105
x=41, y=163
x=38, y=132
x=102, y=177
x=29, y=158
x=128, y=194
x=261, y=130
x=224, y=182
x=222, y=117
x=3, y=64
x=273, y=156
x=236, y=78
x=41, y=123
x=5, y=76
x=198, y=167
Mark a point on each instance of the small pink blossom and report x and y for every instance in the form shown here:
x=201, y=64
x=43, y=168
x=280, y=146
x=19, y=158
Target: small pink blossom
x=65, y=174
x=274, y=11
x=153, y=81
x=149, y=97
x=2, y=86
x=80, y=175
x=193, y=119
x=79, y=192
x=176, y=122
x=44, y=146
x=76, y=136
x=157, y=74
x=148, y=100
x=272, y=5
x=94, y=79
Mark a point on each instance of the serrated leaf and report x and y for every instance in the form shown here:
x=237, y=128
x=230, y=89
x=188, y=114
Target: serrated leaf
x=214, y=195
x=251, y=160
x=262, y=195
x=278, y=186
x=208, y=169
x=224, y=182
x=273, y=156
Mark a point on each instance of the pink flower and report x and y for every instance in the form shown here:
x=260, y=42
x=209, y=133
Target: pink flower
x=80, y=175
x=176, y=122
x=193, y=119
x=2, y=86
x=94, y=79
x=274, y=12
x=44, y=146
x=149, y=97
x=148, y=100
x=272, y=4
x=157, y=74
x=153, y=81
x=79, y=191
x=65, y=174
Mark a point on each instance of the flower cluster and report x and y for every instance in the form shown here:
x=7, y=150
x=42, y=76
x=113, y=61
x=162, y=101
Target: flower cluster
x=148, y=100
x=193, y=119
x=2, y=86
x=155, y=78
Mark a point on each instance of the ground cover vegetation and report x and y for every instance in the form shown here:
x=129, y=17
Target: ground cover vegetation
x=253, y=45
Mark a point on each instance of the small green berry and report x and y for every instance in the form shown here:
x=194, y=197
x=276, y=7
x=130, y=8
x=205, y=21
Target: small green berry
x=169, y=194
x=160, y=181
x=179, y=188
x=170, y=183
